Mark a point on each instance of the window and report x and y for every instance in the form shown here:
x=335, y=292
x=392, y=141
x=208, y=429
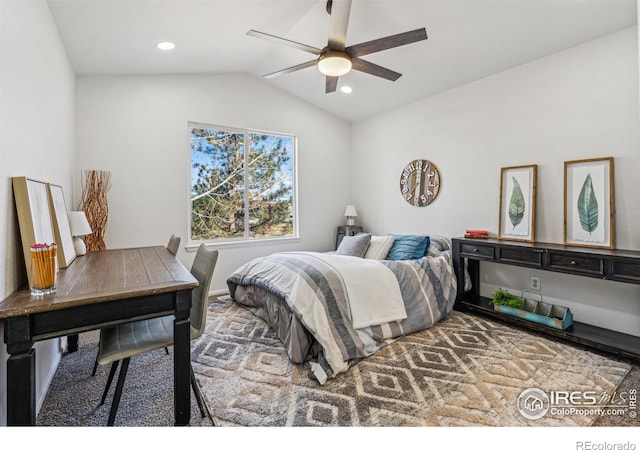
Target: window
x=242, y=184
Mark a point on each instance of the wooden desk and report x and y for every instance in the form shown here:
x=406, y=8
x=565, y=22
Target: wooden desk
x=97, y=290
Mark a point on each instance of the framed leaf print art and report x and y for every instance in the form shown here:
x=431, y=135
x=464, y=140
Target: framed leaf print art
x=518, y=203
x=589, y=203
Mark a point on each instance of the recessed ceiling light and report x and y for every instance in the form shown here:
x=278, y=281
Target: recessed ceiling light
x=166, y=45
x=346, y=89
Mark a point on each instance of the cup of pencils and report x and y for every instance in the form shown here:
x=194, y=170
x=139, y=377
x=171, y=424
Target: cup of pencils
x=44, y=265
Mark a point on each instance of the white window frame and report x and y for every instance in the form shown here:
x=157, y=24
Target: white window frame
x=192, y=245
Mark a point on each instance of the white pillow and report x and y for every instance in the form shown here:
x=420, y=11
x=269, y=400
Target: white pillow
x=354, y=245
x=379, y=247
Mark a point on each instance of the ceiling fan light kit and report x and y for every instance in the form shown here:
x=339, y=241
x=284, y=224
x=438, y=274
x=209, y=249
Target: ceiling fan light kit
x=334, y=64
x=336, y=59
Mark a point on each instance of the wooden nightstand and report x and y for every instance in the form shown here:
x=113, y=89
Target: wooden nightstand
x=346, y=230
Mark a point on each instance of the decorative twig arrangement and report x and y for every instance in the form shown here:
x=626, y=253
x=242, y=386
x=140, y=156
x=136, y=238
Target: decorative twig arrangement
x=94, y=204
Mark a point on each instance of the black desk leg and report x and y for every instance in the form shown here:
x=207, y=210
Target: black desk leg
x=182, y=359
x=21, y=371
x=72, y=343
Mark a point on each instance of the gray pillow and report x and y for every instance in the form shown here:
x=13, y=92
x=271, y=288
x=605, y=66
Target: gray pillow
x=354, y=245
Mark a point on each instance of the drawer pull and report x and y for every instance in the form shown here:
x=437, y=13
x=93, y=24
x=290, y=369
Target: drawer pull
x=573, y=263
x=475, y=250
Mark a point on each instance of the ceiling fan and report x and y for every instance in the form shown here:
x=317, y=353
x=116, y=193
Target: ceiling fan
x=337, y=58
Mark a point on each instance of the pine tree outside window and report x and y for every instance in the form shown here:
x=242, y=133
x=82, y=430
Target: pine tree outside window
x=242, y=184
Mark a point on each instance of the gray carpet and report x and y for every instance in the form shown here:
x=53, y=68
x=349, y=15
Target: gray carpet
x=147, y=398
x=247, y=380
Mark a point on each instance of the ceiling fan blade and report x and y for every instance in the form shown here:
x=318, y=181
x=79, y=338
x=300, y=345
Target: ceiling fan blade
x=385, y=43
x=340, y=10
x=287, y=42
x=331, y=84
x=374, y=69
x=292, y=69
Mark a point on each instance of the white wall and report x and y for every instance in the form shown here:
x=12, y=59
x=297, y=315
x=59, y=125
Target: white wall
x=576, y=104
x=136, y=128
x=36, y=140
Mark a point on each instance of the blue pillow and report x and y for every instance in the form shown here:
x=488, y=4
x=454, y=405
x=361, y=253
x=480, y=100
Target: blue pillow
x=407, y=246
x=421, y=249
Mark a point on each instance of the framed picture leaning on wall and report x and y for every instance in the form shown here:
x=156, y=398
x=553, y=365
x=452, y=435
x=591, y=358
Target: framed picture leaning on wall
x=517, y=221
x=589, y=206
x=34, y=216
x=61, y=227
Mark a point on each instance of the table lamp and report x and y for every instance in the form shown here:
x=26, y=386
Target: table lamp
x=79, y=227
x=350, y=213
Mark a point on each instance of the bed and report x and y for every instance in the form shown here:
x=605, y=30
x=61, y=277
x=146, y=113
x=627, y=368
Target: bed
x=333, y=309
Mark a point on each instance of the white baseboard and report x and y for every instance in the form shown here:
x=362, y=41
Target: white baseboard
x=219, y=292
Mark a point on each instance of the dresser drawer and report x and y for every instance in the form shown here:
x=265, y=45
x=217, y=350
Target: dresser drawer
x=476, y=251
x=628, y=271
x=580, y=264
x=522, y=257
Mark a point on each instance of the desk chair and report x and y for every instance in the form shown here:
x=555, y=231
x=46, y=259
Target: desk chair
x=121, y=342
x=172, y=246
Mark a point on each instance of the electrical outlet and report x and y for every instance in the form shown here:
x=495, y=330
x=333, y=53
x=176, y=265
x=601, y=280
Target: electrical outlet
x=535, y=283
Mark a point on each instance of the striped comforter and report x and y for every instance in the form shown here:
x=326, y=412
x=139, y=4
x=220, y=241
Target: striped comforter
x=316, y=287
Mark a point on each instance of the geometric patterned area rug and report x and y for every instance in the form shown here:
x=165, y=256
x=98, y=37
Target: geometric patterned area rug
x=465, y=371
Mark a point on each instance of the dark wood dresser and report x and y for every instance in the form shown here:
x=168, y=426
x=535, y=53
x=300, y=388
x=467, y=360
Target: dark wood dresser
x=614, y=265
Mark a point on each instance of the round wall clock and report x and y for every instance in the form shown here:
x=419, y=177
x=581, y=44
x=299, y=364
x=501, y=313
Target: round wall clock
x=420, y=182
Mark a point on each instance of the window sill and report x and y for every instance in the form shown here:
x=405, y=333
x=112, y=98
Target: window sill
x=243, y=243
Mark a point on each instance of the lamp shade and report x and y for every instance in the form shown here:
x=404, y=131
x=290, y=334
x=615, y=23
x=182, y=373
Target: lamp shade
x=350, y=211
x=79, y=224
x=334, y=63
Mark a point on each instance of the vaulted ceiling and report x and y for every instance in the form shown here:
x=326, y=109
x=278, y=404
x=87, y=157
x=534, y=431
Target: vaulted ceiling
x=467, y=40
